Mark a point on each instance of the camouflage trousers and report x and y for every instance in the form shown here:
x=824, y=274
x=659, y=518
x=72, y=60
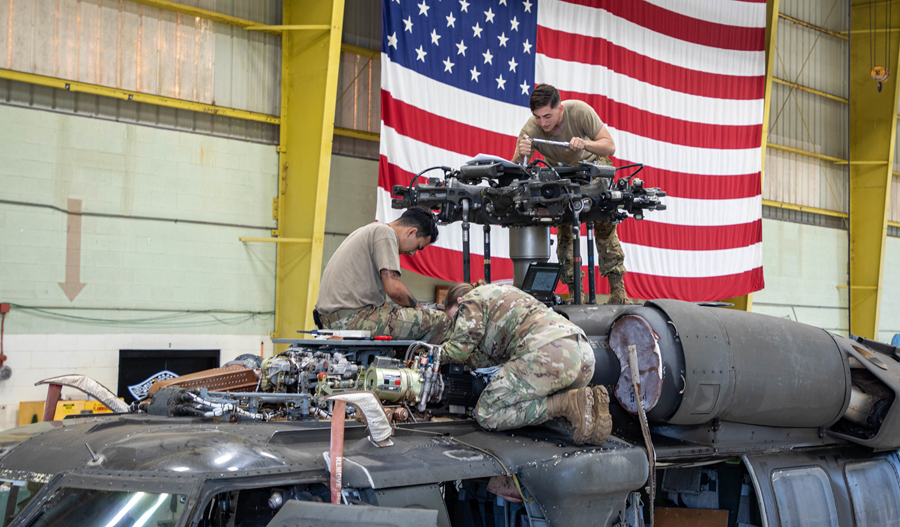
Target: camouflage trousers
x=401, y=323
x=610, y=258
x=517, y=395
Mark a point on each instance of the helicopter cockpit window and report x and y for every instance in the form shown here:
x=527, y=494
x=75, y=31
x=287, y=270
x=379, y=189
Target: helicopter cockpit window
x=804, y=497
x=14, y=496
x=70, y=506
x=874, y=492
x=256, y=507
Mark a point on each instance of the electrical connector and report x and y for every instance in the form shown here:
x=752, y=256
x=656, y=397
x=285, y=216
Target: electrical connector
x=4, y=307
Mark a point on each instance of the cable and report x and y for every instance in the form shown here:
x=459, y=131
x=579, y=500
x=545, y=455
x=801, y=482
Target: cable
x=168, y=320
x=887, y=33
x=409, y=193
x=127, y=217
x=641, y=165
x=871, y=39
x=491, y=454
x=2, y=327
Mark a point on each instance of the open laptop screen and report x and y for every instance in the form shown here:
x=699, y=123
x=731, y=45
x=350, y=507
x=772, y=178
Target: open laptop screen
x=541, y=279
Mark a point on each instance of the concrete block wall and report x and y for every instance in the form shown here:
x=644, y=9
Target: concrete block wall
x=803, y=266
x=150, y=280
x=42, y=356
x=889, y=324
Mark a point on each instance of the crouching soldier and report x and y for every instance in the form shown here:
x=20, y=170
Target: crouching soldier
x=366, y=267
x=546, y=361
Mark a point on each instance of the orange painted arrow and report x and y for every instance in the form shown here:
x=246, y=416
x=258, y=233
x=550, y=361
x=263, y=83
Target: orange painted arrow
x=72, y=286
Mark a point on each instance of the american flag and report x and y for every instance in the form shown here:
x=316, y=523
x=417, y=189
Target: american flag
x=680, y=84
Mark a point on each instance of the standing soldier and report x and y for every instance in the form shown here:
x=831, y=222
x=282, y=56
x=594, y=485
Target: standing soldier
x=546, y=361
x=578, y=124
x=365, y=267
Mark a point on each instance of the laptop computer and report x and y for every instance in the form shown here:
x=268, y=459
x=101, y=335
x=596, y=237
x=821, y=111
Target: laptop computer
x=541, y=280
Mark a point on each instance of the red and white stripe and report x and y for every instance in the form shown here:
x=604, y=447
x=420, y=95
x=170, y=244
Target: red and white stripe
x=680, y=86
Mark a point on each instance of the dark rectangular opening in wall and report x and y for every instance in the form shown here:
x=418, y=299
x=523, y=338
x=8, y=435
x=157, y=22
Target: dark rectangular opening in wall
x=138, y=369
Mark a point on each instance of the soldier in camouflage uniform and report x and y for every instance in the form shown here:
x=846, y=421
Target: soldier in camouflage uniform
x=610, y=258
x=366, y=268
x=429, y=325
x=577, y=123
x=546, y=361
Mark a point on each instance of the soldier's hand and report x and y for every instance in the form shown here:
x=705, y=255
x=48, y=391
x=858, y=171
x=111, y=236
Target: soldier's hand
x=577, y=144
x=526, y=148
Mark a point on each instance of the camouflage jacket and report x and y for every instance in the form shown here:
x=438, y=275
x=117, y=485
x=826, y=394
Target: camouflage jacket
x=496, y=323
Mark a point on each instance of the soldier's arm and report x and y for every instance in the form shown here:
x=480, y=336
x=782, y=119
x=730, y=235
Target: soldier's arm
x=601, y=144
x=467, y=331
x=396, y=290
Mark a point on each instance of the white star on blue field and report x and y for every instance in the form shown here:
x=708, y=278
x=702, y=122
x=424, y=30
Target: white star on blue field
x=484, y=47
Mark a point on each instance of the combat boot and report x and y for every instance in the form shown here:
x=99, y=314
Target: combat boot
x=617, y=293
x=578, y=407
x=601, y=416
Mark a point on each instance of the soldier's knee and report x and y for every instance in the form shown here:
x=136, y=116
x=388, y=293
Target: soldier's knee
x=483, y=418
x=603, y=230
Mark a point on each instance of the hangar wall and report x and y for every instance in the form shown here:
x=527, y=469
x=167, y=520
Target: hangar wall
x=160, y=244
x=804, y=122
x=140, y=48
x=166, y=192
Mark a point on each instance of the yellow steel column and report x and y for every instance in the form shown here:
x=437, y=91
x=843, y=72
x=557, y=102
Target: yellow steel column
x=873, y=123
x=309, y=75
x=745, y=303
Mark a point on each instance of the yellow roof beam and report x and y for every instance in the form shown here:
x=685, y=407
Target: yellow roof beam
x=813, y=27
x=134, y=96
x=362, y=52
x=279, y=29
x=205, y=14
x=276, y=240
x=810, y=90
x=358, y=134
x=804, y=208
x=806, y=153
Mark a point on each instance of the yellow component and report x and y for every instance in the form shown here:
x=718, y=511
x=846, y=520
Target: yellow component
x=358, y=134
x=309, y=75
x=279, y=29
x=815, y=28
x=201, y=13
x=835, y=160
x=274, y=208
x=873, y=126
x=64, y=408
x=276, y=240
x=803, y=208
x=745, y=302
x=868, y=31
x=96, y=407
x=810, y=90
x=879, y=74
x=33, y=411
x=127, y=95
x=362, y=52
